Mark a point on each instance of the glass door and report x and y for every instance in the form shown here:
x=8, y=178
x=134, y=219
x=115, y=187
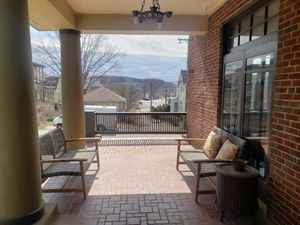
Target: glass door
x=258, y=76
x=232, y=92
x=247, y=83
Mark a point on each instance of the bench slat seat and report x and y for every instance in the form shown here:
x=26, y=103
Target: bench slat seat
x=207, y=169
x=79, y=154
x=64, y=169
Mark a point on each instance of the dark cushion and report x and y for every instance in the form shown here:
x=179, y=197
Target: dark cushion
x=64, y=169
x=207, y=169
x=79, y=154
x=70, y=168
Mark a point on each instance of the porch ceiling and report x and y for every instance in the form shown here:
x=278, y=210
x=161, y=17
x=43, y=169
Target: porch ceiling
x=114, y=16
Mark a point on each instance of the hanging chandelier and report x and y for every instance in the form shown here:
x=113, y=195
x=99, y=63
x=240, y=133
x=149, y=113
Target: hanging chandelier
x=153, y=15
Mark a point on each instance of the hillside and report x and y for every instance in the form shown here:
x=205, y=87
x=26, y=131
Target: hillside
x=158, y=86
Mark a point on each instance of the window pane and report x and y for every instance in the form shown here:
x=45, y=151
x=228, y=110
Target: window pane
x=245, y=24
x=233, y=29
x=233, y=42
x=273, y=8
x=232, y=97
x=257, y=32
x=244, y=38
x=234, y=67
x=256, y=110
x=236, y=41
x=259, y=16
x=272, y=25
x=260, y=62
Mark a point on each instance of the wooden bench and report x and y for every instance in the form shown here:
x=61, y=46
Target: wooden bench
x=56, y=160
x=199, y=164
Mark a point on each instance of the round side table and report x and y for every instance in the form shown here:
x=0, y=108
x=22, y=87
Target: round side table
x=236, y=190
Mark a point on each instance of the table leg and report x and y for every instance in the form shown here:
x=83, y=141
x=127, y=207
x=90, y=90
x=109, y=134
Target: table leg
x=222, y=215
x=254, y=221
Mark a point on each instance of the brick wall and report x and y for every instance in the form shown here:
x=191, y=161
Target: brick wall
x=204, y=60
x=203, y=91
x=284, y=182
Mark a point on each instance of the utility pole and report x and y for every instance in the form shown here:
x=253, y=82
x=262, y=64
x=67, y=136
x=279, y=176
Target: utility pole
x=151, y=94
x=166, y=101
x=183, y=40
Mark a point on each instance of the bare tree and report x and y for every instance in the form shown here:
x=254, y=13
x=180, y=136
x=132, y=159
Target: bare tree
x=132, y=93
x=99, y=57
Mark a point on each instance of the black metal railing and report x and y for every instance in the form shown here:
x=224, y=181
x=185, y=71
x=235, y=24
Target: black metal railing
x=140, y=123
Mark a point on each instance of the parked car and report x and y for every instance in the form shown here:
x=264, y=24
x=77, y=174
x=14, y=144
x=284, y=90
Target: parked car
x=58, y=121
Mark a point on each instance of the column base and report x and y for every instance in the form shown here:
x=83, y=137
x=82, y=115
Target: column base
x=49, y=215
x=26, y=220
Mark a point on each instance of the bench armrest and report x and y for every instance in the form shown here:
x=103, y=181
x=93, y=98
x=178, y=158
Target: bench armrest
x=212, y=161
x=62, y=160
x=179, y=140
x=84, y=139
x=190, y=139
x=258, y=138
x=96, y=140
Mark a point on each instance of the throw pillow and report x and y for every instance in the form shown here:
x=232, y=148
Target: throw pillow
x=228, y=151
x=212, y=145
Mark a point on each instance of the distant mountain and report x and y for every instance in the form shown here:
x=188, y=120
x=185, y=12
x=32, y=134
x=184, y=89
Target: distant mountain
x=132, y=80
x=158, y=86
x=145, y=66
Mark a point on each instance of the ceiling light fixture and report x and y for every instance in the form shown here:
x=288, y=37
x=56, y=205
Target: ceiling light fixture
x=152, y=15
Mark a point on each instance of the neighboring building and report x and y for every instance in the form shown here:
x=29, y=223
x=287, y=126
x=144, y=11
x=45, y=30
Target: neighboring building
x=104, y=96
x=44, y=85
x=38, y=80
x=178, y=103
x=50, y=86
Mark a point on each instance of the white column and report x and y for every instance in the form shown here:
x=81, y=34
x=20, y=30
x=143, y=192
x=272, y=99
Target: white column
x=20, y=178
x=72, y=88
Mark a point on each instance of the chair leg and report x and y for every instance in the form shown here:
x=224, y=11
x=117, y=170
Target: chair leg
x=178, y=151
x=83, y=180
x=177, y=161
x=98, y=158
x=254, y=220
x=197, y=182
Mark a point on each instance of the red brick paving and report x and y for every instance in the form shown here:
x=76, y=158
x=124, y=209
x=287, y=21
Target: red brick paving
x=137, y=185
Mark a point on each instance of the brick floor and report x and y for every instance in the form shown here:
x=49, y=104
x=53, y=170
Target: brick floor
x=137, y=185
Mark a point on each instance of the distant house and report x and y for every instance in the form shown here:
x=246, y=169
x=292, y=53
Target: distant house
x=104, y=96
x=178, y=103
x=44, y=85
x=50, y=85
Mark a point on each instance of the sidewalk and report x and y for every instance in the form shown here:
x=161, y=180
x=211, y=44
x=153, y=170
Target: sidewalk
x=45, y=130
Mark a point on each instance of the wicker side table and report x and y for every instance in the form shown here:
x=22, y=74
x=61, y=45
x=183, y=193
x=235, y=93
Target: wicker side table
x=236, y=190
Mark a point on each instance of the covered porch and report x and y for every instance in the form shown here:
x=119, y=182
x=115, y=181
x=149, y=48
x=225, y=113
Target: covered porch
x=139, y=184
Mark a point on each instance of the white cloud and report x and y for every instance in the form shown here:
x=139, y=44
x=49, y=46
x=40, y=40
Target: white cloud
x=160, y=45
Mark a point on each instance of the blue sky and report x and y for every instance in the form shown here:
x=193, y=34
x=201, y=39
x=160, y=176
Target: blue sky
x=145, y=56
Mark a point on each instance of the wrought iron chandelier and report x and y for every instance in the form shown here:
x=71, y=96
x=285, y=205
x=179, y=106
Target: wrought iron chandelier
x=152, y=15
